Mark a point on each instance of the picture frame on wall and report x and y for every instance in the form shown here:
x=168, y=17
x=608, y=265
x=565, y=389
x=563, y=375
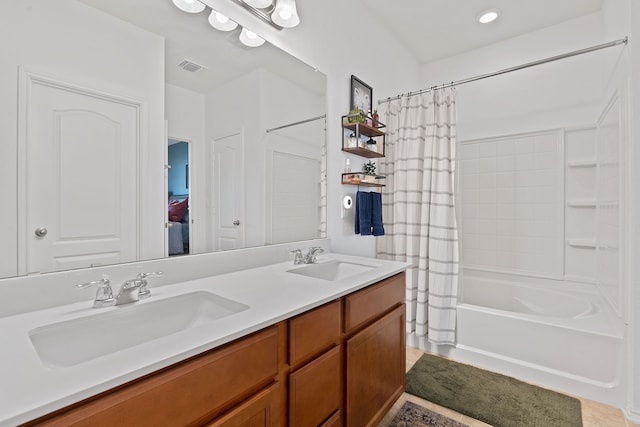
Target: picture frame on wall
x=361, y=95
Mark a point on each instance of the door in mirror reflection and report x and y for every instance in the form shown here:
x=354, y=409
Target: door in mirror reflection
x=79, y=213
x=228, y=192
x=179, y=225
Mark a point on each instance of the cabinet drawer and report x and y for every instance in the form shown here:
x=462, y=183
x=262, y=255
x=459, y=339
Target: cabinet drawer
x=311, y=333
x=367, y=304
x=315, y=390
x=188, y=393
x=255, y=412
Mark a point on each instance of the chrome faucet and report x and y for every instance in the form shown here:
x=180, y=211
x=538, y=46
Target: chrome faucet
x=130, y=291
x=104, y=294
x=135, y=289
x=309, y=258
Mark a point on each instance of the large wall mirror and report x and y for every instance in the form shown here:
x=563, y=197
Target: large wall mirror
x=134, y=131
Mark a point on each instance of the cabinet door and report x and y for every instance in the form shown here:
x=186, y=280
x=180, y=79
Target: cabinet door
x=375, y=369
x=315, y=390
x=255, y=412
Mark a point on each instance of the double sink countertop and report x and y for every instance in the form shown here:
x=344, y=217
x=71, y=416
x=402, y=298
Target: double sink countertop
x=36, y=382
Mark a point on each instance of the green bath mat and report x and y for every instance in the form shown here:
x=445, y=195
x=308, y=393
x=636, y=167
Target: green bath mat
x=493, y=398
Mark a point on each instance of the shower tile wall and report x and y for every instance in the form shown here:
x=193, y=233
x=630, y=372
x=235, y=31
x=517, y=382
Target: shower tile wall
x=511, y=202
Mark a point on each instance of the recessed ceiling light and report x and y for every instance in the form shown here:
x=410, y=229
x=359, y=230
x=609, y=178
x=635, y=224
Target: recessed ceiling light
x=488, y=16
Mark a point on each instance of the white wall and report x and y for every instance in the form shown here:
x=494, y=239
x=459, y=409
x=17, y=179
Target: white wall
x=184, y=110
x=68, y=41
x=563, y=93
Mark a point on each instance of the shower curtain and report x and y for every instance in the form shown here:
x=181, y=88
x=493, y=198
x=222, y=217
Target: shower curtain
x=419, y=209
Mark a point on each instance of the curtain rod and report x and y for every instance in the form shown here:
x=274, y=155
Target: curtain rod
x=516, y=68
x=298, y=123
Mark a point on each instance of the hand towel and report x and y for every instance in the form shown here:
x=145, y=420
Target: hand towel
x=363, y=213
x=376, y=214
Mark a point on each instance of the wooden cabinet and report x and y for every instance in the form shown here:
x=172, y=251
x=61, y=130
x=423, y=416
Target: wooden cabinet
x=340, y=364
x=255, y=412
x=189, y=393
x=315, y=387
x=313, y=332
x=315, y=390
x=375, y=369
x=374, y=350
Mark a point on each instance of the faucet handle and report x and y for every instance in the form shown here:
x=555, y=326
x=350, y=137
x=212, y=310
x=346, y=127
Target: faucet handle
x=144, y=292
x=298, y=257
x=104, y=294
x=311, y=255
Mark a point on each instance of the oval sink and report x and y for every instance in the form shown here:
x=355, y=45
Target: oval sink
x=75, y=341
x=332, y=270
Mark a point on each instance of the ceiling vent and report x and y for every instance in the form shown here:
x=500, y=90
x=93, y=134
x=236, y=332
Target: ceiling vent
x=191, y=66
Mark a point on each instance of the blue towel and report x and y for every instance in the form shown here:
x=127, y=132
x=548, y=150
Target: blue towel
x=376, y=214
x=368, y=216
x=363, y=213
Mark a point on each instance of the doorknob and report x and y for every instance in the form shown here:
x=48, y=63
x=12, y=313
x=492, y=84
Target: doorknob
x=236, y=222
x=41, y=232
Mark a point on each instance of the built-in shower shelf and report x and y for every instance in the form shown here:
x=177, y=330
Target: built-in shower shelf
x=581, y=163
x=581, y=203
x=582, y=243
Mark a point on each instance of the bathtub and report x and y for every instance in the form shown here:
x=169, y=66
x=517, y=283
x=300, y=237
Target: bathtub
x=558, y=334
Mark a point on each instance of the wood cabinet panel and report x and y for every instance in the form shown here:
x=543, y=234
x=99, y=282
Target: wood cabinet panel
x=189, y=393
x=313, y=332
x=371, y=302
x=334, y=421
x=255, y=412
x=315, y=390
x=375, y=369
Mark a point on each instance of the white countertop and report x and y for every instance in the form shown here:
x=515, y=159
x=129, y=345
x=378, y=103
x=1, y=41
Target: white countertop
x=29, y=389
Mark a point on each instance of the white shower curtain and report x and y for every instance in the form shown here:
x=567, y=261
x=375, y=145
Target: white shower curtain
x=419, y=210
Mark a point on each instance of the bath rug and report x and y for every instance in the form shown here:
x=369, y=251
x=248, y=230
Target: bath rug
x=496, y=399
x=412, y=415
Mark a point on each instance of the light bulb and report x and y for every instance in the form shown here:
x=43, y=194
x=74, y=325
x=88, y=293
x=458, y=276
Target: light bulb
x=488, y=16
x=285, y=14
x=189, y=6
x=259, y=4
x=221, y=22
x=251, y=39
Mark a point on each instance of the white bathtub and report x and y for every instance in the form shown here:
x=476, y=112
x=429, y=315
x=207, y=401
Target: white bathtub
x=553, y=333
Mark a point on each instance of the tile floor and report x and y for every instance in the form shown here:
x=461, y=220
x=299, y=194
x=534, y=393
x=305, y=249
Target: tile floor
x=594, y=414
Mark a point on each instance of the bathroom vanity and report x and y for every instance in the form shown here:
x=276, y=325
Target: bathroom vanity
x=318, y=344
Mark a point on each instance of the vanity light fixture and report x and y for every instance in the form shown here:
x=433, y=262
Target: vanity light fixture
x=251, y=39
x=189, y=6
x=285, y=13
x=488, y=16
x=221, y=22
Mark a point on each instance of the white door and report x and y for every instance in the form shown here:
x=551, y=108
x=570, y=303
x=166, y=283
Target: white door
x=228, y=192
x=81, y=178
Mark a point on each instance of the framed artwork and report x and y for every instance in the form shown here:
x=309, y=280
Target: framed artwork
x=186, y=176
x=361, y=95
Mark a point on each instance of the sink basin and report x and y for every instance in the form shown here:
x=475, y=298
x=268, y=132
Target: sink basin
x=332, y=270
x=75, y=341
